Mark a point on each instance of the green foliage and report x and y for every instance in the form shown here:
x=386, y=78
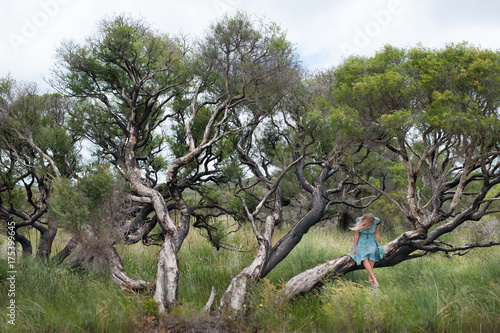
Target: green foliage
x=124, y=74
x=96, y=185
x=397, y=174
x=120, y=40
x=451, y=90
x=269, y=143
x=230, y=168
x=462, y=82
x=35, y=125
x=331, y=128
x=428, y=108
x=238, y=53
x=15, y=196
x=75, y=204
x=68, y=205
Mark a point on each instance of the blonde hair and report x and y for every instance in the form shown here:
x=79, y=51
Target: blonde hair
x=365, y=222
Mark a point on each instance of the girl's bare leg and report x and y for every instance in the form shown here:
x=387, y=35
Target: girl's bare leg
x=368, y=263
x=372, y=263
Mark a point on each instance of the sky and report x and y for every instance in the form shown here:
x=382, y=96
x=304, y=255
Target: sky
x=324, y=32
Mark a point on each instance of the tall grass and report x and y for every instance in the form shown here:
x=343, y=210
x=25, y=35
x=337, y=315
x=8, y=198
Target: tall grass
x=52, y=299
x=431, y=294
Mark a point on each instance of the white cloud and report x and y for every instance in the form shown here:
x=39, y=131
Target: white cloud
x=324, y=31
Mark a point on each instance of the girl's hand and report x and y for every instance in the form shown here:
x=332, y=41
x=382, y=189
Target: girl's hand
x=353, y=252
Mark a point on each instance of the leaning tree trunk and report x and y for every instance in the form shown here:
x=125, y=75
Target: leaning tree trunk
x=68, y=249
x=396, y=251
x=235, y=295
x=287, y=243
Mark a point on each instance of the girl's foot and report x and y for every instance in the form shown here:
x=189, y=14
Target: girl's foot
x=375, y=284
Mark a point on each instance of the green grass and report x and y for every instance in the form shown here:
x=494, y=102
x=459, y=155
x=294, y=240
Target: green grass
x=431, y=294
x=52, y=299
x=434, y=294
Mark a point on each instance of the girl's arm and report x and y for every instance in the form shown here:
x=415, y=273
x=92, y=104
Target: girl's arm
x=377, y=233
x=356, y=237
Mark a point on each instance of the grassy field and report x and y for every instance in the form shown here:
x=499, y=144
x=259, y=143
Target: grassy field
x=431, y=294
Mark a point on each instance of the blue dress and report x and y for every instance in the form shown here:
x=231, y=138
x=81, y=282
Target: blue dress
x=368, y=247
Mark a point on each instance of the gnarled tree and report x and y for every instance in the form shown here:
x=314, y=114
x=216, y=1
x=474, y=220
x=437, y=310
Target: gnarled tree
x=437, y=112
x=35, y=149
x=134, y=81
x=296, y=150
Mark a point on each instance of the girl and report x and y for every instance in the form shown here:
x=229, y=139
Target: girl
x=366, y=247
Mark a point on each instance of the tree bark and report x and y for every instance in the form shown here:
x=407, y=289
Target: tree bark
x=68, y=249
x=25, y=244
x=46, y=238
x=167, y=278
x=211, y=300
x=288, y=242
x=141, y=226
x=140, y=219
x=235, y=295
x=119, y=275
x=83, y=259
